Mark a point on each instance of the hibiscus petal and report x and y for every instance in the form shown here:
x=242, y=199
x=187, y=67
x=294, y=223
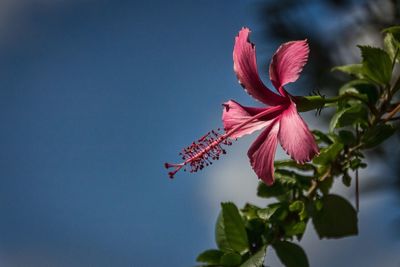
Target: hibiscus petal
x=235, y=114
x=295, y=137
x=262, y=153
x=245, y=67
x=287, y=63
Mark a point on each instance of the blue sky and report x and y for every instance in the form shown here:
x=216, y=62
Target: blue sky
x=95, y=96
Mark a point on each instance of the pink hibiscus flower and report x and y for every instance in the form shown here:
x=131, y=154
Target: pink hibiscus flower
x=280, y=118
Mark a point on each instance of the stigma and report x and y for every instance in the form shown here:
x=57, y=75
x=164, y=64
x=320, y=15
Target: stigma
x=201, y=153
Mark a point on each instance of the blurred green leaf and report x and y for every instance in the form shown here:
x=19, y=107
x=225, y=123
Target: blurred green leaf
x=293, y=164
x=352, y=69
x=318, y=204
x=357, y=163
x=267, y=212
x=294, y=228
x=274, y=212
x=231, y=259
x=230, y=232
x=326, y=185
x=299, y=207
x=361, y=88
x=257, y=259
x=290, y=254
x=288, y=177
x=321, y=137
x=376, y=64
x=211, y=256
x=395, y=31
x=347, y=137
x=349, y=116
x=274, y=190
x=346, y=179
x=377, y=134
x=336, y=219
x=250, y=211
x=255, y=230
x=328, y=154
x=391, y=45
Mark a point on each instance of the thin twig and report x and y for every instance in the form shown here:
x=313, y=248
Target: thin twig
x=357, y=181
x=357, y=193
x=394, y=119
x=392, y=113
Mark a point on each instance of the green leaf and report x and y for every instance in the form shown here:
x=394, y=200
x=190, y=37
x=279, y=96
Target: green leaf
x=288, y=177
x=211, y=256
x=357, y=163
x=267, y=212
x=294, y=228
x=297, y=205
x=362, y=89
x=321, y=137
x=349, y=116
x=255, y=230
x=230, y=232
x=391, y=46
x=395, y=31
x=346, y=179
x=376, y=64
x=257, y=259
x=336, y=219
x=231, y=259
x=377, y=134
x=249, y=211
x=300, y=207
x=328, y=154
x=352, y=69
x=326, y=184
x=347, y=137
x=274, y=212
x=293, y=164
x=290, y=254
x=274, y=190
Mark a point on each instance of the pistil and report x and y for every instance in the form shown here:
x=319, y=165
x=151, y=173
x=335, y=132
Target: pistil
x=202, y=152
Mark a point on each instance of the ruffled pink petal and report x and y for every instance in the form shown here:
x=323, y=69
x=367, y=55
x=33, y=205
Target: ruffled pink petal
x=262, y=153
x=245, y=66
x=235, y=114
x=295, y=137
x=287, y=63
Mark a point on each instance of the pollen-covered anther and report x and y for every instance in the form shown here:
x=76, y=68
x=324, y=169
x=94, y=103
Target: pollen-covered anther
x=201, y=153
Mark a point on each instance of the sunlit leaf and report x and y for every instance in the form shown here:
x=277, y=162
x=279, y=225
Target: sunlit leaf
x=230, y=232
x=294, y=228
x=391, y=46
x=328, y=154
x=352, y=69
x=362, y=89
x=349, y=116
x=257, y=259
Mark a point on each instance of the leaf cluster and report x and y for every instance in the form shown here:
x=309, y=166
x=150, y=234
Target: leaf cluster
x=365, y=116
